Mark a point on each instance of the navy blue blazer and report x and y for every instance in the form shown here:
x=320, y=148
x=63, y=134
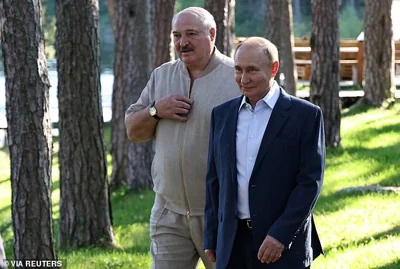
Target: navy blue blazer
x=284, y=186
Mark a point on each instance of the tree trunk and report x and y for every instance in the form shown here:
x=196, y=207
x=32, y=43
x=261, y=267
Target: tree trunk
x=85, y=211
x=132, y=69
x=287, y=43
x=273, y=24
x=378, y=52
x=162, y=13
x=29, y=128
x=279, y=30
x=224, y=15
x=324, y=81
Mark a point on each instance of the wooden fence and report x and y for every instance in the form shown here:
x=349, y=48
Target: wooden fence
x=351, y=59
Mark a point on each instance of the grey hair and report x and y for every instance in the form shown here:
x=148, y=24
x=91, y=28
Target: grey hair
x=269, y=48
x=206, y=17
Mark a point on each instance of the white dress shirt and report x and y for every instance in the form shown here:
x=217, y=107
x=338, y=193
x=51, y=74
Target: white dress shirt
x=249, y=133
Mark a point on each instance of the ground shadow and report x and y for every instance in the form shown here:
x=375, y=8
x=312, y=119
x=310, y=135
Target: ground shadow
x=366, y=240
x=393, y=265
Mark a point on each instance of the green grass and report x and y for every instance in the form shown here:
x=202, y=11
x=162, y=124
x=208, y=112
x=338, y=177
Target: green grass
x=358, y=231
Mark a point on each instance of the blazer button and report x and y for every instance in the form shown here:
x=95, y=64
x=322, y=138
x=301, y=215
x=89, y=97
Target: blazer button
x=253, y=186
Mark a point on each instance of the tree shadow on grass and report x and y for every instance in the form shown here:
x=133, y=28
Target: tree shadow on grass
x=366, y=240
x=334, y=202
x=393, y=265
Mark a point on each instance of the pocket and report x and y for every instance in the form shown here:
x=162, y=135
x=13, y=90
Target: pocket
x=155, y=217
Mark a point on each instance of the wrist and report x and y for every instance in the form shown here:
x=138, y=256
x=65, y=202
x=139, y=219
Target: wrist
x=153, y=111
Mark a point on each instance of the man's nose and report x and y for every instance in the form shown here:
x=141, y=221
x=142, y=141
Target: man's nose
x=245, y=78
x=184, y=41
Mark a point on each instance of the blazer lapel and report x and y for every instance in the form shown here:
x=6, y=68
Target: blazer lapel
x=230, y=129
x=279, y=115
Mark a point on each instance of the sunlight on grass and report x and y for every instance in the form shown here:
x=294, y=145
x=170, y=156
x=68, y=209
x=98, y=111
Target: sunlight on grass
x=372, y=255
x=358, y=231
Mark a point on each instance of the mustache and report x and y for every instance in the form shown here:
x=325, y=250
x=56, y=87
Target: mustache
x=186, y=49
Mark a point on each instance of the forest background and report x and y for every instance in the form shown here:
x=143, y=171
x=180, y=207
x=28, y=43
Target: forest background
x=249, y=21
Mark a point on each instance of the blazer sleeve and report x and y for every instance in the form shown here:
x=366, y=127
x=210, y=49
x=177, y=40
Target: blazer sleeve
x=309, y=181
x=212, y=194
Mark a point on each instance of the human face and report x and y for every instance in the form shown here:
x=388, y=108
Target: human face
x=192, y=42
x=252, y=72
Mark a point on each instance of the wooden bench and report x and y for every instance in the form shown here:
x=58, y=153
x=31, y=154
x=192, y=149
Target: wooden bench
x=348, y=69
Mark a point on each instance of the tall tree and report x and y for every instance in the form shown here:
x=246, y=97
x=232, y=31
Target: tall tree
x=279, y=30
x=29, y=128
x=162, y=13
x=324, y=81
x=287, y=44
x=378, y=52
x=135, y=21
x=85, y=211
x=224, y=15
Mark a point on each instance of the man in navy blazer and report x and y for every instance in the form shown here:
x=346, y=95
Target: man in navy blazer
x=265, y=170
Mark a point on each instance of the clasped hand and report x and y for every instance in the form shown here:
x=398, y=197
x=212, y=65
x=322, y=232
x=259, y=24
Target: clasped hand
x=174, y=107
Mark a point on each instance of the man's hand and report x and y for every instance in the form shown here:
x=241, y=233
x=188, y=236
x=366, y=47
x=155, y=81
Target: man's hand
x=211, y=254
x=175, y=107
x=270, y=250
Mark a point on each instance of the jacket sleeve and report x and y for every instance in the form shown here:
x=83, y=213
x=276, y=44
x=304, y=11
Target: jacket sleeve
x=309, y=181
x=212, y=194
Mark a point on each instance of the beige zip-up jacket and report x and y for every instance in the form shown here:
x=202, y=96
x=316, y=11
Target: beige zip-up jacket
x=181, y=148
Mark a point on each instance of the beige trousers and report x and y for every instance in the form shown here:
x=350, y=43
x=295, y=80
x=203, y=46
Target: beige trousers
x=176, y=240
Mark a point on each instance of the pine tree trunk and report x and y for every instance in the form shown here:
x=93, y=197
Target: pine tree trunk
x=29, y=128
x=378, y=52
x=288, y=66
x=273, y=24
x=162, y=13
x=85, y=211
x=224, y=15
x=324, y=81
x=132, y=69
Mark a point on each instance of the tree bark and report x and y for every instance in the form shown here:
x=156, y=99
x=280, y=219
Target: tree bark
x=378, y=52
x=224, y=16
x=138, y=23
x=324, y=81
x=85, y=210
x=29, y=128
x=132, y=68
x=279, y=30
x=162, y=13
x=273, y=24
x=287, y=43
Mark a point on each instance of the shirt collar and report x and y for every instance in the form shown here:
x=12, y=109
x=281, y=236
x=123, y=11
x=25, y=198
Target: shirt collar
x=270, y=98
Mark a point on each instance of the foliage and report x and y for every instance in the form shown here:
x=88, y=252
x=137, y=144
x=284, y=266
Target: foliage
x=358, y=231
x=350, y=24
x=249, y=21
x=182, y=4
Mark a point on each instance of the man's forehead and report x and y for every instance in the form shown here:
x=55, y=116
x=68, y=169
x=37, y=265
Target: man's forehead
x=188, y=29
x=186, y=22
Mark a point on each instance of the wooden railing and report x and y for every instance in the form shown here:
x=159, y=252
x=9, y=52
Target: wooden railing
x=351, y=59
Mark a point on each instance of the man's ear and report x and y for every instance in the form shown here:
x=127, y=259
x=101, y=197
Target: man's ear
x=275, y=68
x=212, y=33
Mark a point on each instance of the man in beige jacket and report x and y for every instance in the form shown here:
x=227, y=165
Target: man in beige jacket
x=174, y=109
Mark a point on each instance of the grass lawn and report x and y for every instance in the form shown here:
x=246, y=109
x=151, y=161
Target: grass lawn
x=358, y=231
